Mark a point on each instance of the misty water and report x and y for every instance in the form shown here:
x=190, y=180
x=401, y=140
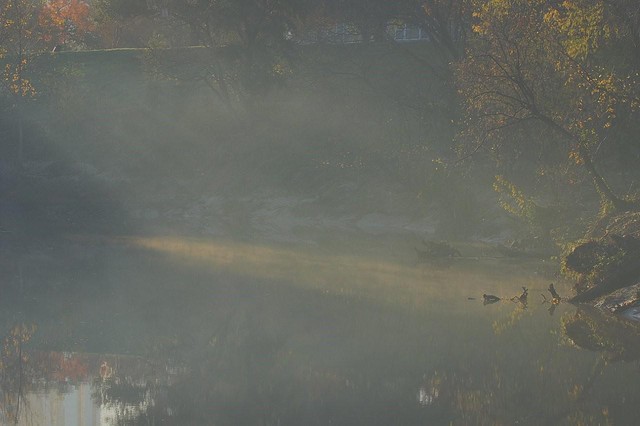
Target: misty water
x=350, y=329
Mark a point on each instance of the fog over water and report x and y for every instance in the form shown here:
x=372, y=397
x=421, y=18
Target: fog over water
x=184, y=331
x=319, y=250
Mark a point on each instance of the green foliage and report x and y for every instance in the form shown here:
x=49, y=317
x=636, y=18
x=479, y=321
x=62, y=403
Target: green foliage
x=539, y=67
x=514, y=201
x=540, y=220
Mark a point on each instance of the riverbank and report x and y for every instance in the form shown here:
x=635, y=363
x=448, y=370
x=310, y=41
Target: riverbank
x=605, y=266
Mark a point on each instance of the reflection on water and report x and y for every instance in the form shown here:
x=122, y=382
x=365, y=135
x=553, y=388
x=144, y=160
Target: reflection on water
x=16, y=372
x=617, y=338
x=168, y=331
x=64, y=388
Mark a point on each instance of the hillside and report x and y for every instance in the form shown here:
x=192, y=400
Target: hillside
x=115, y=144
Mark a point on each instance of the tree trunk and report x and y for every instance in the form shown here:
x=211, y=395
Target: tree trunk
x=601, y=185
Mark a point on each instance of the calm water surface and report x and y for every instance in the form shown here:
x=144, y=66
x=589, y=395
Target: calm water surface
x=195, y=332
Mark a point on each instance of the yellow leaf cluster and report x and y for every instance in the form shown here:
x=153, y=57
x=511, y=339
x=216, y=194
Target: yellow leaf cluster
x=581, y=24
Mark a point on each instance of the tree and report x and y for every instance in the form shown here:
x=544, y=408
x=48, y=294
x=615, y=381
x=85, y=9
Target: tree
x=65, y=21
x=19, y=40
x=246, y=42
x=447, y=23
x=114, y=17
x=540, y=66
x=16, y=371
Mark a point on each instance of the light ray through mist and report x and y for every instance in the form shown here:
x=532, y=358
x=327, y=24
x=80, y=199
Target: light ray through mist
x=344, y=274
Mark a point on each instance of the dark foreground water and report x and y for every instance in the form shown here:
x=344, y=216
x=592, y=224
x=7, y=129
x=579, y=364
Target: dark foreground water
x=173, y=331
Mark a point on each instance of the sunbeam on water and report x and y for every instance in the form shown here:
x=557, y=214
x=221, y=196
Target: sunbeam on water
x=300, y=331
x=341, y=273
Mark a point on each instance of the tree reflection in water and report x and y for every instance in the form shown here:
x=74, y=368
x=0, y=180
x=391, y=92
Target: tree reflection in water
x=616, y=337
x=16, y=372
x=237, y=375
x=547, y=390
x=132, y=390
x=127, y=389
x=239, y=370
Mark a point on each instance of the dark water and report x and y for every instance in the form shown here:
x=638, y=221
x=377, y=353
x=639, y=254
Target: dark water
x=173, y=331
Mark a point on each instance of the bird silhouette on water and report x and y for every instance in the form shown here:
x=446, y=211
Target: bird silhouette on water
x=489, y=298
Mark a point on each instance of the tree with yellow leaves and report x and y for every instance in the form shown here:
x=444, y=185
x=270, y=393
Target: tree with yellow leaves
x=19, y=40
x=561, y=71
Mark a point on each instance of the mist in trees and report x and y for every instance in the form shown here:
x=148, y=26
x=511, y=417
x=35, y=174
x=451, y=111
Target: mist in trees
x=301, y=211
x=545, y=93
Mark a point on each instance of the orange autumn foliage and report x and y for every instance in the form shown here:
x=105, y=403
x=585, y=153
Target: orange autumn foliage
x=60, y=19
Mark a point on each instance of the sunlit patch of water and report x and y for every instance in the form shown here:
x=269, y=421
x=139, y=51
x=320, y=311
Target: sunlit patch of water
x=347, y=273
